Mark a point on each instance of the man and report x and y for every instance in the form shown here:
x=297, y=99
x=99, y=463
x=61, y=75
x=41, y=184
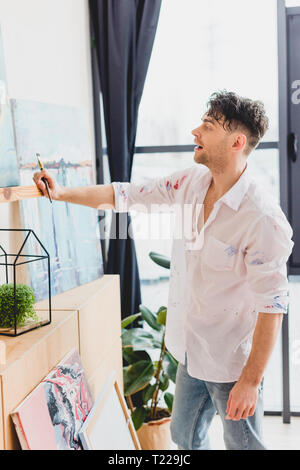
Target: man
x=228, y=284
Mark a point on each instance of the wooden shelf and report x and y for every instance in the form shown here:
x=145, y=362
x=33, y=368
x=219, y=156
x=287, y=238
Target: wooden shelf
x=19, y=192
x=29, y=359
x=89, y=321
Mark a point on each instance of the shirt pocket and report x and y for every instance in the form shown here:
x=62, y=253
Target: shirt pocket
x=218, y=255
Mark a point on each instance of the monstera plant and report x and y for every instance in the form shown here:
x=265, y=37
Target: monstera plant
x=142, y=374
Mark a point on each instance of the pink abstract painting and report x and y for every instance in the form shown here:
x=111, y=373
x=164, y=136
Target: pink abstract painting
x=51, y=417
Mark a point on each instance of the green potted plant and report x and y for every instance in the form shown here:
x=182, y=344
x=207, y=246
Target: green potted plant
x=148, y=377
x=25, y=306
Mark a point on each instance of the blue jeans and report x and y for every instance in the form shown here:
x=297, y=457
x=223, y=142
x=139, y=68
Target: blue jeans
x=195, y=404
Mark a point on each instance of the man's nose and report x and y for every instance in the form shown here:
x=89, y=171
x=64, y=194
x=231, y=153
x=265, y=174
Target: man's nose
x=196, y=132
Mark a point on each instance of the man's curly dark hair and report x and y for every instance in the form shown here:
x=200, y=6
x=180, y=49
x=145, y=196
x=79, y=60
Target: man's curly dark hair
x=238, y=112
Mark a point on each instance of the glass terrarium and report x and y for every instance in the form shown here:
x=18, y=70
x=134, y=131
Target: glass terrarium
x=20, y=253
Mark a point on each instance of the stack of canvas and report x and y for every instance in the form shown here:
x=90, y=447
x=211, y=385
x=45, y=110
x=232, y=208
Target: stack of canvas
x=51, y=416
x=59, y=414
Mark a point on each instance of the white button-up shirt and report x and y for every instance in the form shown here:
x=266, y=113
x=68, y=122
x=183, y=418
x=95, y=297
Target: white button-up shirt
x=223, y=276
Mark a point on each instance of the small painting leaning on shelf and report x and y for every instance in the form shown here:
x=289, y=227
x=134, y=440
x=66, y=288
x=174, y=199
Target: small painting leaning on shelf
x=51, y=416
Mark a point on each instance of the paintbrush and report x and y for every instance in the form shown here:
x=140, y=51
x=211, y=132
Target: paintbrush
x=44, y=179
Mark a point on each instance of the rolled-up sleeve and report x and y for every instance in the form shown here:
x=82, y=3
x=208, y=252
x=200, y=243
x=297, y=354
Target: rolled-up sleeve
x=268, y=250
x=156, y=195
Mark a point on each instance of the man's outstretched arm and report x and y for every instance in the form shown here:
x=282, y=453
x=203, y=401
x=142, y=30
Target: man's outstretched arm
x=99, y=196
x=155, y=195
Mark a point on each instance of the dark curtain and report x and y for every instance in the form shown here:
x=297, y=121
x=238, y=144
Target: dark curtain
x=123, y=33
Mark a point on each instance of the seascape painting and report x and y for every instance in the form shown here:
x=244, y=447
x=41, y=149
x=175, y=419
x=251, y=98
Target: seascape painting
x=51, y=416
x=9, y=174
x=69, y=232
x=2, y=61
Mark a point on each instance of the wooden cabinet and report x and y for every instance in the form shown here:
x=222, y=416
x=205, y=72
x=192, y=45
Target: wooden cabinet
x=99, y=320
x=111, y=361
x=1, y=420
x=87, y=317
x=29, y=358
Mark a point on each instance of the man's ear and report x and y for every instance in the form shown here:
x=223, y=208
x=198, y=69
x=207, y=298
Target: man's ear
x=240, y=142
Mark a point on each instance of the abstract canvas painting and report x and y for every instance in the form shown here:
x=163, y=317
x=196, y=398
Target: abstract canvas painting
x=69, y=232
x=9, y=174
x=51, y=416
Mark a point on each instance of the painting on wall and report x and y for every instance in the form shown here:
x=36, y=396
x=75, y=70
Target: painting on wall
x=51, y=416
x=9, y=174
x=69, y=232
x=2, y=61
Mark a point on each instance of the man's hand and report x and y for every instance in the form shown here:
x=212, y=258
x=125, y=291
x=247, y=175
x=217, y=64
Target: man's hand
x=100, y=196
x=243, y=396
x=242, y=401
x=54, y=188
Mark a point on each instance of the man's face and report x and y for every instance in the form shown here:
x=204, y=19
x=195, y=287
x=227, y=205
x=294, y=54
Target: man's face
x=214, y=146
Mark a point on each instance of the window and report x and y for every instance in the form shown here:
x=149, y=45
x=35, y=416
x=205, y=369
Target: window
x=200, y=48
x=294, y=339
x=292, y=3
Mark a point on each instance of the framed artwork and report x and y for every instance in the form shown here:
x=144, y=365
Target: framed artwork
x=2, y=61
x=51, y=416
x=109, y=425
x=69, y=232
x=9, y=172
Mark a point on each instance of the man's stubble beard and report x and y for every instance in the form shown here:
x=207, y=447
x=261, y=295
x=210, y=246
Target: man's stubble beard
x=217, y=164
x=203, y=159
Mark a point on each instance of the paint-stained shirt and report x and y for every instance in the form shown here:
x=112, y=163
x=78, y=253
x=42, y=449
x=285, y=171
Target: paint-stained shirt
x=222, y=276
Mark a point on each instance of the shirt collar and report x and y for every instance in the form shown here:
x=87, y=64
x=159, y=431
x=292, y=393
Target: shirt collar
x=233, y=198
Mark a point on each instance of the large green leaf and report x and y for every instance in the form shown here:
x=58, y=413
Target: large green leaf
x=162, y=315
x=148, y=393
x=132, y=356
x=128, y=320
x=137, y=376
x=170, y=366
x=148, y=316
x=161, y=260
x=169, y=398
x=163, y=382
x=138, y=338
x=138, y=416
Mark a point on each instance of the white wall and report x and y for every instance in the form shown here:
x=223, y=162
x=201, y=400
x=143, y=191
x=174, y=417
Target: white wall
x=47, y=55
x=47, y=50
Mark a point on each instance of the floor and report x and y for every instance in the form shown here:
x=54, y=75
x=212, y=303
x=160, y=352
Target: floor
x=278, y=436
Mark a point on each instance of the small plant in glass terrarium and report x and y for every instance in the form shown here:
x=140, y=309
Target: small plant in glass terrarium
x=25, y=305
x=17, y=299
